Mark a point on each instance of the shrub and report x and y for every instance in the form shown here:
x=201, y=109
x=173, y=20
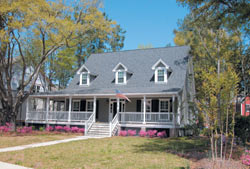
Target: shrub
x=74, y=129
x=245, y=158
x=66, y=129
x=242, y=128
x=4, y=129
x=49, y=128
x=161, y=134
x=123, y=133
x=81, y=130
x=131, y=132
x=41, y=129
x=143, y=133
x=152, y=133
x=24, y=130
x=58, y=128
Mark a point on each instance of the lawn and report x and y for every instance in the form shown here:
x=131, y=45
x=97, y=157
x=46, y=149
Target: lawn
x=115, y=152
x=16, y=140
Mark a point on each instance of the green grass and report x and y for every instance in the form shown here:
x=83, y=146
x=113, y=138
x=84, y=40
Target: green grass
x=115, y=152
x=17, y=140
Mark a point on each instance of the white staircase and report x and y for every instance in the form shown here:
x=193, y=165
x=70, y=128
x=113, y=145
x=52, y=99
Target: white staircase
x=99, y=129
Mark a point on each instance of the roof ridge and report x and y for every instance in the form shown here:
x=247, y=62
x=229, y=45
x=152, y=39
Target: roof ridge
x=140, y=49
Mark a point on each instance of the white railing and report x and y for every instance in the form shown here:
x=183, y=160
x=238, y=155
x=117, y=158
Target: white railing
x=151, y=117
x=75, y=116
x=114, y=123
x=89, y=123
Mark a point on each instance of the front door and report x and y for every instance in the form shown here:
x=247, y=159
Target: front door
x=113, y=108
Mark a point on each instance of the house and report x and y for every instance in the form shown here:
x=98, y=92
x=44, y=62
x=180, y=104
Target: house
x=245, y=106
x=158, y=81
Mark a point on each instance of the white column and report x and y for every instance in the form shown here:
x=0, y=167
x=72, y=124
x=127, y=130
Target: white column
x=144, y=109
x=27, y=109
x=173, y=110
x=70, y=102
x=47, y=110
x=118, y=106
x=179, y=109
x=94, y=108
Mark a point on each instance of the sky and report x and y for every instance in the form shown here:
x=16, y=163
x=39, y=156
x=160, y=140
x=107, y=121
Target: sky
x=146, y=21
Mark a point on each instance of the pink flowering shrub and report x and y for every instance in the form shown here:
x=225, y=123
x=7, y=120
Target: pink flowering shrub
x=123, y=133
x=49, y=128
x=81, y=130
x=161, y=134
x=66, y=129
x=24, y=130
x=74, y=129
x=131, y=132
x=6, y=128
x=58, y=128
x=245, y=158
x=143, y=133
x=152, y=133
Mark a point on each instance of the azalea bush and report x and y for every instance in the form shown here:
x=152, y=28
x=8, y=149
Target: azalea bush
x=49, y=128
x=123, y=133
x=143, y=133
x=245, y=158
x=162, y=134
x=152, y=133
x=24, y=130
x=131, y=132
x=6, y=128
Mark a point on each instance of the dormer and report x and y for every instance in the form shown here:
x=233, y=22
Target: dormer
x=161, y=71
x=121, y=72
x=84, y=76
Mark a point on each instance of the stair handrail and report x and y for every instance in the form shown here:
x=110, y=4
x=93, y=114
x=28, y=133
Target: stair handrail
x=114, y=123
x=89, y=123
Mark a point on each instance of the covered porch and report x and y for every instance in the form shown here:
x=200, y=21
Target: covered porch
x=154, y=111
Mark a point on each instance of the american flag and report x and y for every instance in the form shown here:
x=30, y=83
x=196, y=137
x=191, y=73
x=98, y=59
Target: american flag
x=120, y=95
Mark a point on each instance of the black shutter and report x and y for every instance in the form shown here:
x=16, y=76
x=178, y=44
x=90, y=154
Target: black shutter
x=83, y=105
x=155, y=105
x=138, y=106
x=67, y=104
x=97, y=108
x=171, y=105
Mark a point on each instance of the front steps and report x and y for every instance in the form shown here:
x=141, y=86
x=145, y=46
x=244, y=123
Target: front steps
x=99, y=129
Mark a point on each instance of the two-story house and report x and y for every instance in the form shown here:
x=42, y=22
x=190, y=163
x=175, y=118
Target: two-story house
x=158, y=81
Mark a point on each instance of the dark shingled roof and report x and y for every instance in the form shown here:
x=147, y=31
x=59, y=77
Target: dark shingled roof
x=140, y=63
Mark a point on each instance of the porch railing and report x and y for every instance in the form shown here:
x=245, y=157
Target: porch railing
x=151, y=117
x=89, y=123
x=75, y=116
x=114, y=123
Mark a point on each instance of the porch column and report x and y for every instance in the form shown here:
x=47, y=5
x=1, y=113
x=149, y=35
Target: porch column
x=179, y=110
x=144, y=109
x=47, y=111
x=70, y=102
x=94, y=108
x=27, y=109
x=118, y=106
x=173, y=111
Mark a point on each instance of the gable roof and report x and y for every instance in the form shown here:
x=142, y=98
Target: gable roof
x=160, y=62
x=139, y=61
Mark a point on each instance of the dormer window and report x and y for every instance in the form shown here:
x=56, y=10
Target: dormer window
x=161, y=71
x=84, y=79
x=121, y=72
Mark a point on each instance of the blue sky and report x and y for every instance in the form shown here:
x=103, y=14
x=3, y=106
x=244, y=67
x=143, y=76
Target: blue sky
x=146, y=21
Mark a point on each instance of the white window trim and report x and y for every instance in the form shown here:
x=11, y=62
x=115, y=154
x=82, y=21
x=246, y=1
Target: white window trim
x=88, y=101
x=124, y=77
x=165, y=75
x=168, y=117
x=87, y=79
x=73, y=101
x=246, y=107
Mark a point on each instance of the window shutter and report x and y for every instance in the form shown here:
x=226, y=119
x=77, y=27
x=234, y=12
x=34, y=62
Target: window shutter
x=171, y=105
x=138, y=106
x=83, y=105
x=67, y=104
x=155, y=105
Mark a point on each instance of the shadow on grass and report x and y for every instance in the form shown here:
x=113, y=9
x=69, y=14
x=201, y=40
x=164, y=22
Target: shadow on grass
x=193, y=148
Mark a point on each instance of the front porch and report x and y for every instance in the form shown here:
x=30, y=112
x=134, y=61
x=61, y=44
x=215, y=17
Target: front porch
x=158, y=111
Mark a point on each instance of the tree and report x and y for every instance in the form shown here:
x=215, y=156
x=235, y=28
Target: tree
x=51, y=24
x=141, y=46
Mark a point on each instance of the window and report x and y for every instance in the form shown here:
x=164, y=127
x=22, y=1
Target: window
x=84, y=79
x=120, y=77
x=37, y=89
x=76, y=105
x=164, y=106
x=148, y=105
x=89, y=105
x=247, y=107
x=160, y=75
